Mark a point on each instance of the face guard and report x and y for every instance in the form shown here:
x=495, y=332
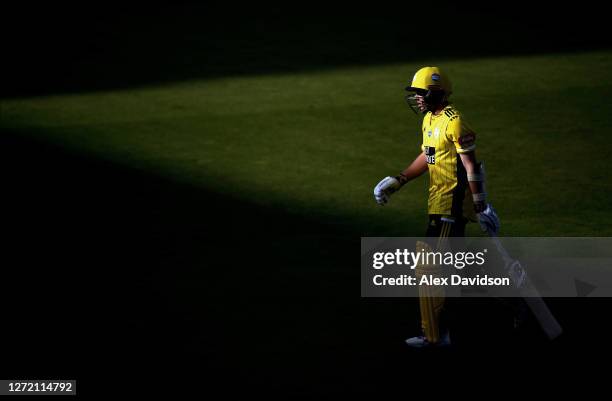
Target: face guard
x=431, y=99
x=412, y=100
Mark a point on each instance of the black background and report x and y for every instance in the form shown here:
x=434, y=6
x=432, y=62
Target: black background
x=99, y=260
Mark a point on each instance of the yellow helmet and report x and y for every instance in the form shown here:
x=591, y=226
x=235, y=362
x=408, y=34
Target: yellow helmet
x=430, y=86
x=430, y=78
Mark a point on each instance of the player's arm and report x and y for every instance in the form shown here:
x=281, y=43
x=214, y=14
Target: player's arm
x=464, y=140
x=389, y=185
x=465, y=144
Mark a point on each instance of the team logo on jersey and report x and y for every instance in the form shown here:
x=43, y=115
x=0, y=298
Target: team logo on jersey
x=429, y=133
x=430, y=154
x=435, y=77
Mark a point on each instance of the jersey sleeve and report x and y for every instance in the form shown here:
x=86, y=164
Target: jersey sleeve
x=461, y=134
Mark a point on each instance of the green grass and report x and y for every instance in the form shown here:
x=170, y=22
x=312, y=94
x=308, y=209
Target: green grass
x=316, y=143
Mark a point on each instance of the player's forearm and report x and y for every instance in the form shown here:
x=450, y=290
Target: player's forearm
x=475, y=176
x=472, y=168
x=476, y=187
x=417, y=168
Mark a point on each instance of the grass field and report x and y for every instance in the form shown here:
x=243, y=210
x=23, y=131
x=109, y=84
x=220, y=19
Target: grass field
x=316, y=143
x=210, y=227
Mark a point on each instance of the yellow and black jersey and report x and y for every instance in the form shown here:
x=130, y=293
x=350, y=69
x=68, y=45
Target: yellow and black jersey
x=445, y=136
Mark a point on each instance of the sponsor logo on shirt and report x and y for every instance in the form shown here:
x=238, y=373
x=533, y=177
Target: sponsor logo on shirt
x=430, y=154
x=467, y=139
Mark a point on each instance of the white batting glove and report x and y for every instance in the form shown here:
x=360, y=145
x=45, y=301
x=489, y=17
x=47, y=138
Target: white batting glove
x=384, y=189
x=489, y=222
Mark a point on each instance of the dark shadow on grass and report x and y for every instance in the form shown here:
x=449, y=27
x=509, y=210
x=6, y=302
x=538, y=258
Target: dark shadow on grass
x=98, y=45
x=113, y=272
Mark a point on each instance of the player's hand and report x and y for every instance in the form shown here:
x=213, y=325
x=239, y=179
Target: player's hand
x=489, y=222
x=384, y=189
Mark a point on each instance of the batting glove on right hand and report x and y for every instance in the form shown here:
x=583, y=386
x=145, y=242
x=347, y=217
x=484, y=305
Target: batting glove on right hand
x=384, y=189
x=489, y=222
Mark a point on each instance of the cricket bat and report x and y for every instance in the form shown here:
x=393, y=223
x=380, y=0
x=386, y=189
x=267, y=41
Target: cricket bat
x=528, y=292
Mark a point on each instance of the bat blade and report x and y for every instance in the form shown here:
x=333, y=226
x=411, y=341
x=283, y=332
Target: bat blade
x=529, y=293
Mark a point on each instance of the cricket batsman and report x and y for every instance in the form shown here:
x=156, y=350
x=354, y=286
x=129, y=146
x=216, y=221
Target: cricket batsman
x=456, y=186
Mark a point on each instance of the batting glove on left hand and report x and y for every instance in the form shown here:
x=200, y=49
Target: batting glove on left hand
x=384, y=189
